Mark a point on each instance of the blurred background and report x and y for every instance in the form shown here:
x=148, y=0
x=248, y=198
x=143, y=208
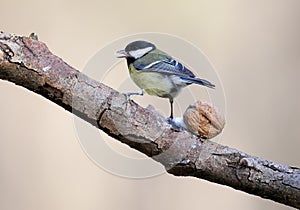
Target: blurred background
x=255, y=49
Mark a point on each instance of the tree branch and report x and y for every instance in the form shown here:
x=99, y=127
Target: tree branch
x=28, y=63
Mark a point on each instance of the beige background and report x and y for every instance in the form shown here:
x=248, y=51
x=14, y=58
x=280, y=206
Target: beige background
x=255, y=48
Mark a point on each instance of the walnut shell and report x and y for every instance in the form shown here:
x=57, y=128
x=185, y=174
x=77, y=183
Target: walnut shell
x=203, y=119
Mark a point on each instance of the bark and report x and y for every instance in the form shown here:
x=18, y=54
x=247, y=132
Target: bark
x=27, y=62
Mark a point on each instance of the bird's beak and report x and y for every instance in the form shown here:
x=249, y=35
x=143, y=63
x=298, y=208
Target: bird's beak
x=121, y=54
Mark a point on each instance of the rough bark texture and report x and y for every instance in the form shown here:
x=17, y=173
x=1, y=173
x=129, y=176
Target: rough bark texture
x=28, y=63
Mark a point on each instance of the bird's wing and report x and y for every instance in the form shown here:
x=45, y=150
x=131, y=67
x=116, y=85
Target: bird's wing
x=165, y=65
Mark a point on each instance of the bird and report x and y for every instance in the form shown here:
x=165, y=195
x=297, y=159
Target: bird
x=156, y=72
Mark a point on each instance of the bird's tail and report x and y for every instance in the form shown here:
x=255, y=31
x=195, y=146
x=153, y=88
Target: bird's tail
x=198, y=81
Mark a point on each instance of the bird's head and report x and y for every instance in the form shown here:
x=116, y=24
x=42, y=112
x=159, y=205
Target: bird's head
x=136, y=49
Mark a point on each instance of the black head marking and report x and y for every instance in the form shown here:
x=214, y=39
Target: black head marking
x=140, y=44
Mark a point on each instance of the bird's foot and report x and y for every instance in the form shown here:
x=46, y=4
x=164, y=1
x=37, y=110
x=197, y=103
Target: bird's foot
x=176, y=126
x=141, y=92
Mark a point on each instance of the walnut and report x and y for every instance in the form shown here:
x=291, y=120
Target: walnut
x=203, y=119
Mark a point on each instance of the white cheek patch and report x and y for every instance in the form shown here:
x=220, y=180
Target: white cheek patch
x=139, y=53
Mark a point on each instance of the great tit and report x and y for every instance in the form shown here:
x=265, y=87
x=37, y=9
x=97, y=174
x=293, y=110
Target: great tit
x=156, y=72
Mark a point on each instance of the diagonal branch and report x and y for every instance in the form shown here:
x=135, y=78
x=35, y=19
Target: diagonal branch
x=28, y=63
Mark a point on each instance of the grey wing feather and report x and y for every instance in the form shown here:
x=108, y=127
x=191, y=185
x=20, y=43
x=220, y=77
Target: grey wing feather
x=167, y=66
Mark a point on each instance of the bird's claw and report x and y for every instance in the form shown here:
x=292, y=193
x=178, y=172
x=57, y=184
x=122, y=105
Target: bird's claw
x=127, y=95
x=175, y=126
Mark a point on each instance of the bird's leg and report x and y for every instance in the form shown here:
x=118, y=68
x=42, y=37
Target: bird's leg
x=171, y=103
x=170, y=119
x=141, y=92
x=175, y=125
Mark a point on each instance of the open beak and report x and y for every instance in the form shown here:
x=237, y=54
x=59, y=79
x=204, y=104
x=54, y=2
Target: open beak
x=121, y=54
